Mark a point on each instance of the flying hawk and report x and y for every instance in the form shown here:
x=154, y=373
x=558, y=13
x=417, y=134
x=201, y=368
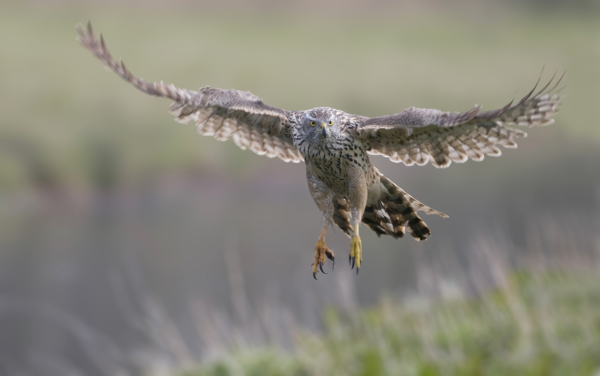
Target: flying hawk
x=335, y=146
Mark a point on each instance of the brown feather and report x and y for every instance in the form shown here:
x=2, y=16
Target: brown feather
x=259, y=127
x=431, y=135
x=395, y=211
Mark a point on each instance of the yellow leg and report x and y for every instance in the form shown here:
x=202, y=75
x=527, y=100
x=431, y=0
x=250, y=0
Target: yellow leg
x=355, y=252
x=321, y=251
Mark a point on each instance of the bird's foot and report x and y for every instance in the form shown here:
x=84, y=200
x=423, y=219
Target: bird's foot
x=321, y=251
x=355, y=253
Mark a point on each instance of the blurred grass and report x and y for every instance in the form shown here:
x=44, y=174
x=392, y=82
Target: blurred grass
x=75, y=125
x=537, y=324
x=58, y=99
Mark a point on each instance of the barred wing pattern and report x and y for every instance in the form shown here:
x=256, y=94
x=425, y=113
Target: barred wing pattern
x=244, y=117
x=222, y=114
x=423, y=135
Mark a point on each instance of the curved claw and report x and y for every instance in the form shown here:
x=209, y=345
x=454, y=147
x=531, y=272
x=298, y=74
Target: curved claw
x=315, y=276
x=356, y=252
x=333, y=264
x=357, y=270
x=349, y=260
x=321, y=267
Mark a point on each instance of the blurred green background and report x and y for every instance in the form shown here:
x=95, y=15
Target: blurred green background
x=131, y=245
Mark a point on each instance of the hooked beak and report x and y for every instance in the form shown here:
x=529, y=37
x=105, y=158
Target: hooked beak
x=323, y=129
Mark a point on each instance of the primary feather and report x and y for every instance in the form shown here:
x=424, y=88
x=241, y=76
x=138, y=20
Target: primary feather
x=335, y=145
x=219, y=113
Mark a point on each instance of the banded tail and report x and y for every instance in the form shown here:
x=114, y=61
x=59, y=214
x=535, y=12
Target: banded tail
x=394, y=211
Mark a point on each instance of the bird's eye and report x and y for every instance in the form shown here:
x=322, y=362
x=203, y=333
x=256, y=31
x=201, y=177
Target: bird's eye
x=313, y=123
x=330, y=122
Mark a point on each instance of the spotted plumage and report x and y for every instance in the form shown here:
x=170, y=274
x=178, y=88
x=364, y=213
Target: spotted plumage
x=336, y=145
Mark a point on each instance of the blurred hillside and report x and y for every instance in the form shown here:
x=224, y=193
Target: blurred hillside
x=129, y=241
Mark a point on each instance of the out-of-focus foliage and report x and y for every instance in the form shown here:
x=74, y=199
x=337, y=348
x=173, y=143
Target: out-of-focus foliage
x=129, y=245
x=539, y=324
x=265, y=362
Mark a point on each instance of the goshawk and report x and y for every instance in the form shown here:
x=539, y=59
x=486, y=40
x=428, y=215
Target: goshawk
x=335, y=146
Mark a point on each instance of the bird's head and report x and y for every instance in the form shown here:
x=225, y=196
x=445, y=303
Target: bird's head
x=321, y=122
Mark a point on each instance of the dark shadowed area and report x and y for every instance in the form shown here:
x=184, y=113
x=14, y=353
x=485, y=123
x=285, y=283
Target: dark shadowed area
x=130, y=245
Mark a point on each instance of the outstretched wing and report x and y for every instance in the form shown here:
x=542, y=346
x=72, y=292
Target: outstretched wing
x=220, y=113
x=421, y=135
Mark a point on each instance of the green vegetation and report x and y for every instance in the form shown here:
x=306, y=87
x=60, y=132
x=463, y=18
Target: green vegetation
x=538, y=324
x=69, y=126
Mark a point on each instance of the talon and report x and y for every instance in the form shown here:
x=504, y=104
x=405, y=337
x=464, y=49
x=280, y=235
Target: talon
x=322, y=253
x=349, y=260
x=329, y=254
x=333, y=264
x=356, y=253
x=315, y=276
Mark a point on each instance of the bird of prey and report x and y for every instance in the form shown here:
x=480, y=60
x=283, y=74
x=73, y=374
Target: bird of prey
x=335, y=146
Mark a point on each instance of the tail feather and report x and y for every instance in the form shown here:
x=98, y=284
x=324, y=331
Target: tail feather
x=395, y=211
x=341, y=215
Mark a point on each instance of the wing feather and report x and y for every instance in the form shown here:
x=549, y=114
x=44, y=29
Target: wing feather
x=416, y=136
x=222, y=114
